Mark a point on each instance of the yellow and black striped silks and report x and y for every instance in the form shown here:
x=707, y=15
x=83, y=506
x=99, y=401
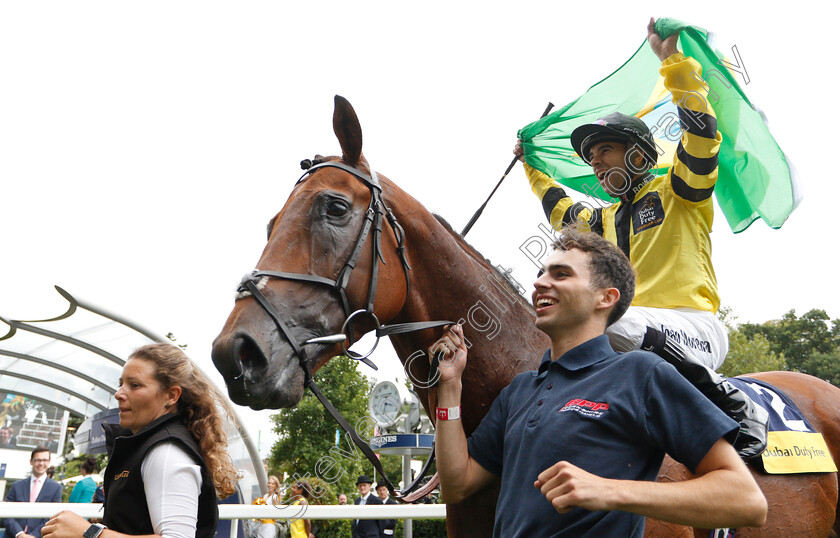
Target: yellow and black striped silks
x=665, y=230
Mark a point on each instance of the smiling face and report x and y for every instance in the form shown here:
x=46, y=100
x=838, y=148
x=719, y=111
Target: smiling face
x=140, y=397
x=273, y=484
x=563, y=297
x=40, y=461
x=364, y=488
x=607, y=161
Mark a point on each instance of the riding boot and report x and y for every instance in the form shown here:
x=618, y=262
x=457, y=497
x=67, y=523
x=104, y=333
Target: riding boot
x=752, y=437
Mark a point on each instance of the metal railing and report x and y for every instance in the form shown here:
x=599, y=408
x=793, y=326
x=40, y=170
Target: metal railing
x=248, y=511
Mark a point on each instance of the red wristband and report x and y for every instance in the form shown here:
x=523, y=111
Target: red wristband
x=449, y=413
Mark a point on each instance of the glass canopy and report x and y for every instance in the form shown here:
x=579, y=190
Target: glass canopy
x=72, y=363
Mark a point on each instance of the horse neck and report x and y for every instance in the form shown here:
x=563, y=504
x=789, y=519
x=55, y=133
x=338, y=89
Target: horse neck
x=447, y=276
x=450, y=281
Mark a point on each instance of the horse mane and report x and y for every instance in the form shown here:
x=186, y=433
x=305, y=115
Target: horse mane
x=472, y=252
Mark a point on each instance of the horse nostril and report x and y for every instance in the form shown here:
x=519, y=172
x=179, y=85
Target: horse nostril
x=243, y=354
x=250, y=359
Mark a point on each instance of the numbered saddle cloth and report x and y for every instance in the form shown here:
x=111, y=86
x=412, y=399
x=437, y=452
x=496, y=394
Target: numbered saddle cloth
x=793, y=445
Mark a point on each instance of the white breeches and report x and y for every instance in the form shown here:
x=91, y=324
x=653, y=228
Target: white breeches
x=701, y=334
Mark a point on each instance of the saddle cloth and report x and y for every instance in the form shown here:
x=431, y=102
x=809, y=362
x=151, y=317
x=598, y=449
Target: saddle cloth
x=793, y=445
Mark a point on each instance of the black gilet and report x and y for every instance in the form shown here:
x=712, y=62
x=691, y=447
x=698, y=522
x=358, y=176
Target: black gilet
x=125, y=507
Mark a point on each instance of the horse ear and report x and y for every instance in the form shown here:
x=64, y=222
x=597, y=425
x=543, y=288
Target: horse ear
x=348, y=131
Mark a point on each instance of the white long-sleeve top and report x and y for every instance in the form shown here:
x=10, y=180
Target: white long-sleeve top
x=172, y=481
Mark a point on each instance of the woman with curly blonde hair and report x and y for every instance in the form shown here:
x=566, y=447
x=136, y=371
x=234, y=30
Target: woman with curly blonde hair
x=168, y=457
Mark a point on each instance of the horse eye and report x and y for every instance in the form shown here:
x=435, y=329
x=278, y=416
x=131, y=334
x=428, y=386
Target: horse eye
x=337, y=208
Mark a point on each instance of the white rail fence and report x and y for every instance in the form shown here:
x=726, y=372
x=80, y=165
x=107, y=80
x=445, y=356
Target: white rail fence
x=248, y=511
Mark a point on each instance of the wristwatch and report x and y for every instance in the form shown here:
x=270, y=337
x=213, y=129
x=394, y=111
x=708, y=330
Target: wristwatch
x=94, y=531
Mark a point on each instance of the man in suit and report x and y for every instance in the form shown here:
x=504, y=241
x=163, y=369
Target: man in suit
x=366, y=528
x=36, y=488
x=388, y=524
x=7, y=437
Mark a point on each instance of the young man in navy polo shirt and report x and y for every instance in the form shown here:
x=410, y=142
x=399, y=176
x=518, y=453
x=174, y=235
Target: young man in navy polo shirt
x=578, y=443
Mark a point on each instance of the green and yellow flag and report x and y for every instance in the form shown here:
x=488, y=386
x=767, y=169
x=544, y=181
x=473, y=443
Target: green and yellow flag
x=755, y=179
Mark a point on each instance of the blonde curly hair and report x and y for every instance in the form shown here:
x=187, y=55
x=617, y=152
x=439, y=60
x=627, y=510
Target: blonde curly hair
x=197, y=408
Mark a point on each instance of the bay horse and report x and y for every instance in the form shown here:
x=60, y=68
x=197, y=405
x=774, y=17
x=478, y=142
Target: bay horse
x=416, y=268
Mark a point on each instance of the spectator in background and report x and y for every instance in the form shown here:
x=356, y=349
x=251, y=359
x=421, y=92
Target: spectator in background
x=52, y=443
x=84, y=489
x=99, y=494
x=429, y=499
x=366, y=528
x=342, y=499
x=37, y=488
x=267, y=528
x=301, y=528
x=388, y=525
x=6, y=437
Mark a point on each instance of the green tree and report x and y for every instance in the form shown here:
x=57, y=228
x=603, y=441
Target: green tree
x=797, y=338
x=307, y=433
x=809, y=343
x=747, y=352
x=823, y=365
x=748, y=355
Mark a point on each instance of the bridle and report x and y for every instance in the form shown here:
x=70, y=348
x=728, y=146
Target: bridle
x=371, y=225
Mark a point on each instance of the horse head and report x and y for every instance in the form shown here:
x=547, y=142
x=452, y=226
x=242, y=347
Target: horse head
x=334, y=249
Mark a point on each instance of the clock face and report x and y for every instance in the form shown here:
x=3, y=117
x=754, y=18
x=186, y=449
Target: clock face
x=384, y=404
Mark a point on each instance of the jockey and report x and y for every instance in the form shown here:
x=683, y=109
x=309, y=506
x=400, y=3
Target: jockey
x=662, y=224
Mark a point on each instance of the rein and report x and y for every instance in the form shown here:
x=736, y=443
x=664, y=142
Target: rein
x=376, y=211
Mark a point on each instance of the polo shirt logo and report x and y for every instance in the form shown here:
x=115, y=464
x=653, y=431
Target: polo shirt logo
x=585, y=407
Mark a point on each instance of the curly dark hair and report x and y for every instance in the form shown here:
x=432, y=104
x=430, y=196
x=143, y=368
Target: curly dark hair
x=608, y=266
x=304, y=487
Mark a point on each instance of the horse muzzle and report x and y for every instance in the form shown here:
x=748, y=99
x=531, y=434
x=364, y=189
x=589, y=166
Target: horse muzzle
x=255, y=376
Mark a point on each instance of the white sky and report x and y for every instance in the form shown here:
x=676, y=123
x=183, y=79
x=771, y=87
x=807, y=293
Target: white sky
x=144, y=146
